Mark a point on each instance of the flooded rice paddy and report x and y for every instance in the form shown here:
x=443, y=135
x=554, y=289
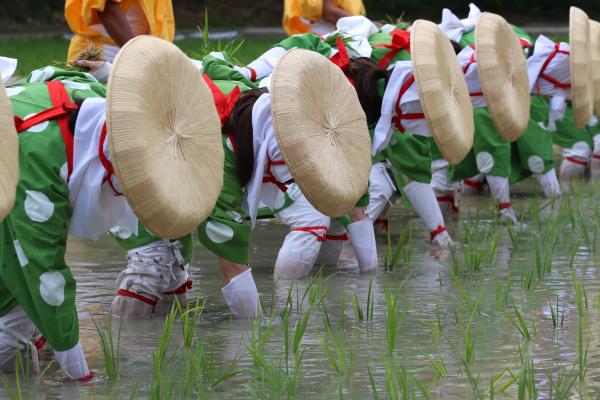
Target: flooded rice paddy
x=508, y=313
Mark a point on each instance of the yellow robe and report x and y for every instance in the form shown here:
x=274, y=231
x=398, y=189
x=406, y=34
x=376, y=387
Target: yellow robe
x=295, y=10
x=82, y=14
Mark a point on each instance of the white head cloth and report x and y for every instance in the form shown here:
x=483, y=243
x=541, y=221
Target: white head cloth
x=96, y=209
x=454, y=27
x=265, y=147
x=358, y=28
x=384, y=129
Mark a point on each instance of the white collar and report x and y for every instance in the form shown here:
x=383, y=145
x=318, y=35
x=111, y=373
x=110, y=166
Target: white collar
x=454, y=27
x=95, y=207
x=262, y=133
x=383, y=129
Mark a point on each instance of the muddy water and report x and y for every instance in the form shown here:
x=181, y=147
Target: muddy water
x=433, y=317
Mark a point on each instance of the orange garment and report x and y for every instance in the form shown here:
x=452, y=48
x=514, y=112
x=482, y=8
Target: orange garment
x=82, y=14
x=295, y=10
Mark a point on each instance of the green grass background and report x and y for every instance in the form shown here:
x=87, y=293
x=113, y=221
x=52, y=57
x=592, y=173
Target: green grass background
x=36, y=53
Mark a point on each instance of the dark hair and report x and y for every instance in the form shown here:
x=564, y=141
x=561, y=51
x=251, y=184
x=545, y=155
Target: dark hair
x=365, y=74
x=457, y=47
x=240, y=125
x=530, y=50
x=75, y=113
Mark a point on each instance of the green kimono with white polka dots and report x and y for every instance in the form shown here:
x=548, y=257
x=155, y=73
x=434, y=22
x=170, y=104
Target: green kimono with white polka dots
x=225, y=233
x=33, y=236
x=492, y=155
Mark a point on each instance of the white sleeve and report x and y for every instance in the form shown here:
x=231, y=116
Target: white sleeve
x=264, y=64
x=102, y=73
x=558, y=104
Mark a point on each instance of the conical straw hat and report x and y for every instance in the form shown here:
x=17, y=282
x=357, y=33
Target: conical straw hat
x=164, y=137
x=582, y=87
x=595, y=45
x=442, y=90
x=321, y=130
x=9, y=155
x=502, y=70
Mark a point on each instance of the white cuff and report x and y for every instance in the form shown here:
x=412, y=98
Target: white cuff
x=73, y=362
x=102, y=73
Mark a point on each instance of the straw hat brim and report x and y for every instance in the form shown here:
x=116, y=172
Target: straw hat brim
x=9, y=155
x=164, y=137
x=502, y=70
x=321, y=131
x=442, y=89
x=595, y=48
x=582, y=88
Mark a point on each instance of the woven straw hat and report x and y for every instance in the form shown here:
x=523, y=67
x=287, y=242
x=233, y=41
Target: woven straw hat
x=502, y=70
x=164, y=137
x=321, y=130
x=595, y=44
x=442, y=90
x=9, y=155
x=582, y=88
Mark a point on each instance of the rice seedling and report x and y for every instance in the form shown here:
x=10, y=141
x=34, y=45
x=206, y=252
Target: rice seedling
x=580, y=296
x=561, y=384
x=162, y=388
x=469, y=344
x=587, y=231
x=543, y=259
x=207, y=46
x=520, y=324
x=526, y=383
x=495, y=383
x=400, y=382
x=370, y=300
x=110, y=350
x=374, y=392
x=274, y=377
x=189, y=319
x=557, y=316
x=358, y=311
x=339, y=356
x=503, y=293
x=463, y=293
x=392, y=321
x=574, y=249
x=18, y=392
x=513, y=237
x=402, y=250
x=582, y=353
x=527, y=279
x=473, y=381
x=438, y=366
x=299, y=331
